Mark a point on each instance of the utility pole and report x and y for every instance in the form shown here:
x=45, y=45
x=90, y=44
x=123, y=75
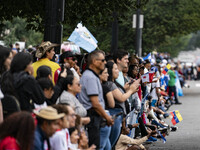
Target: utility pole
x=114, y=44
x=138, y=31
x=54, y=16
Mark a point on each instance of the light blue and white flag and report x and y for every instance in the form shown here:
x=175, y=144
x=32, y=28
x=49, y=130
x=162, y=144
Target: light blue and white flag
x=82, y=37
x=179, y=90
x=147, y=57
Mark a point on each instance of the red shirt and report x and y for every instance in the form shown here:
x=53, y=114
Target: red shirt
x=9, y=143
x=140, y=93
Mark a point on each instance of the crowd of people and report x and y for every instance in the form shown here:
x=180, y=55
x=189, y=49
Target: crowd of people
x=88, y=102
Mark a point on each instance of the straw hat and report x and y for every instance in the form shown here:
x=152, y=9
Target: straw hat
x=49, y=113
x=45, y=46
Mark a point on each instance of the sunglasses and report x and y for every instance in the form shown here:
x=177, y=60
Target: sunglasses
x=71, y=58
x=135, y=70
x=102, y=60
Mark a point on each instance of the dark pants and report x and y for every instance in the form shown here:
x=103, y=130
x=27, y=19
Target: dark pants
x=152, y=127
x=94, y=128
x=173, y=89
x=142, y=127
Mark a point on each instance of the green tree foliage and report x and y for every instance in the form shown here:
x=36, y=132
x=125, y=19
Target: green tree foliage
x=166, y=22
x=15, y=31
x=194, y=41
x=169, y=19
x=31, y=10
x=93, y=12
x=167, y=27
x=174, y=45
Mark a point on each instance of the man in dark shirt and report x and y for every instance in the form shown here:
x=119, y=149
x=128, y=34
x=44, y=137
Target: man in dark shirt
x=48, y=124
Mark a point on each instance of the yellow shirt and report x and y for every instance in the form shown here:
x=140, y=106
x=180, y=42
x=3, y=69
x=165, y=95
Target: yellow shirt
x=55, y=68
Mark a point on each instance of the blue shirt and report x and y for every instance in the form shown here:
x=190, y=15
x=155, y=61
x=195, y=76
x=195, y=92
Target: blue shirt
x=120, y=79
x=39, y=139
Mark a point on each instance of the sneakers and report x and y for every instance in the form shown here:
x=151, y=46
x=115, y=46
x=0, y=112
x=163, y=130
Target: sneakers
x=173, y=128
x=167, y=106
x=172, y=102
x=152, y=139
x=186, y=85
x=178, y=103
x=166, y=115
x=162, y=130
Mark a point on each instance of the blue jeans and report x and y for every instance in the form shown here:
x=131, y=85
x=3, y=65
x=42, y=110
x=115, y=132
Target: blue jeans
x=116, y=128
x=104, y=137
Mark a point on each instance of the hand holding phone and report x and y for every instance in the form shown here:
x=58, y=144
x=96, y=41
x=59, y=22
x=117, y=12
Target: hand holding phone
x=130, y=82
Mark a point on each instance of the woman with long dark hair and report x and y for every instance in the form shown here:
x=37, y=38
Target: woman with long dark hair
x=5, y=59
x=109, y=103
x=20, y=83
x=120, y=96
x=17, y=132
x=133, y=71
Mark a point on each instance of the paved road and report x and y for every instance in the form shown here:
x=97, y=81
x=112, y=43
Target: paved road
x=188, y=135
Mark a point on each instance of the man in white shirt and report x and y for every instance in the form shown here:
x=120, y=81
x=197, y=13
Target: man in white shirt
x=61, y=139
x=147, y=67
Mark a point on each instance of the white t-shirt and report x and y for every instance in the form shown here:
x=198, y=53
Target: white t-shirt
x=155, y=85
x=148, y=84
x=60, y=140
x=1, y=94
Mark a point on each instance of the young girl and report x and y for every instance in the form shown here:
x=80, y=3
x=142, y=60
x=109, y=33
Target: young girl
x=74, y=137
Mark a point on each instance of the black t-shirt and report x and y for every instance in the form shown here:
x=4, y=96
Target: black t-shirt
x=106, y=90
